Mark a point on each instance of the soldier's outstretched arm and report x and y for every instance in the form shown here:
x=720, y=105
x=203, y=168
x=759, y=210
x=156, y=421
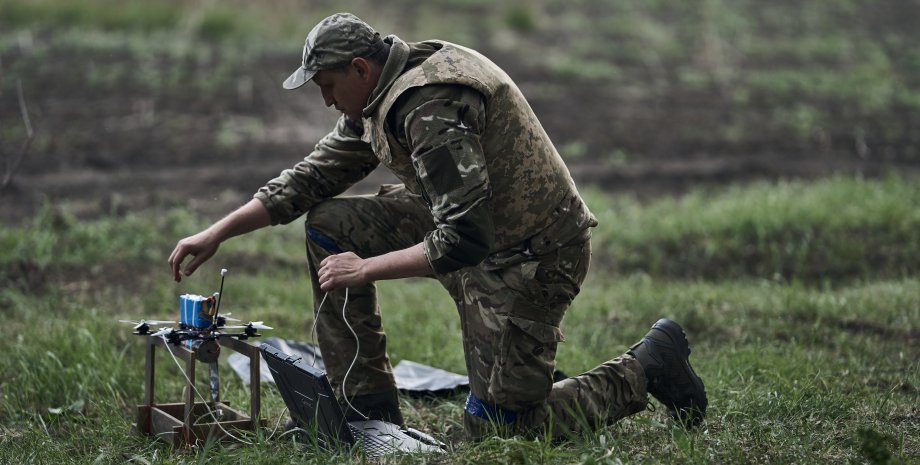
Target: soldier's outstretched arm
x=204, y=245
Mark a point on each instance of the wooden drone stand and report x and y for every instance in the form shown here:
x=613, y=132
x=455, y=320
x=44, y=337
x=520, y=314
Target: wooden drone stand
x=177, y=423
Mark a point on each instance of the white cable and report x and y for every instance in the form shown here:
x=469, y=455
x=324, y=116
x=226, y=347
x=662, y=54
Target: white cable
x=277, y=424
x=357, y=346
x=192, y=385
x=313, y=329
x=357, y=351
x=295, y=429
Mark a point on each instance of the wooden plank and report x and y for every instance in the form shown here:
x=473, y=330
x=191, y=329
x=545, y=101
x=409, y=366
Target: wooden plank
x=143, y=419
x=174, y=422
x=255, y=384
x=149, y=372
x=237, y=415
x=189, y=391
x=251, y=351
x=163, y=426
x=163, y=420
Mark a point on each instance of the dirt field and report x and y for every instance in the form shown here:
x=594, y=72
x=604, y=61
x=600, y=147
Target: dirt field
x=108, y=140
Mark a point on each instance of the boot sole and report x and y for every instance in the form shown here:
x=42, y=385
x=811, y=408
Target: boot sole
x=699, y=402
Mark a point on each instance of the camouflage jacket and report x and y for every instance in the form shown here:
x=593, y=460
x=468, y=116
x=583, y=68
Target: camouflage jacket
x=456, y=130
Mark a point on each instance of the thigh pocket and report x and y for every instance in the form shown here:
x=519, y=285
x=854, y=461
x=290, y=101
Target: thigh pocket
x=523, y=371
x=546, y=286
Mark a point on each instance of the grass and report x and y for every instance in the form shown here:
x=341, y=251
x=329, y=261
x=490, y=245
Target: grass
x=836, y=229
x=107, y=15
x=801, y=299
x=798, y=369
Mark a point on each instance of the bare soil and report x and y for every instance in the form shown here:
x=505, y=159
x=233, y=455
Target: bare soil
x=121, y=146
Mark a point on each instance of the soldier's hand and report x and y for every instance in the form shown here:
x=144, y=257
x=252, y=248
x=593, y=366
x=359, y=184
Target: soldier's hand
x=342, y=270
x=201, y=246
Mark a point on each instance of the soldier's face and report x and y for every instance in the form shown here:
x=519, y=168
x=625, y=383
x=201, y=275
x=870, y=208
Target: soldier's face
x=347, y=91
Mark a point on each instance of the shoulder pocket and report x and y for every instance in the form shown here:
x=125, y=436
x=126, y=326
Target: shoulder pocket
x=438, y=167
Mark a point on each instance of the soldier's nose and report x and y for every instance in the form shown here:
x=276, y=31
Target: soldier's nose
x=327, y=99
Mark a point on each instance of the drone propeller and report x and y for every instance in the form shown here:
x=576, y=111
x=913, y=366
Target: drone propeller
x=253, y=325
x=142, y=327
x=162, y=332
x=138, y=323
x=226, y=317
x=259, y=325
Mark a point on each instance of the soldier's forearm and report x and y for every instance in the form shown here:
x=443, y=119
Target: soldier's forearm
x=247, y=218
x=405, y=263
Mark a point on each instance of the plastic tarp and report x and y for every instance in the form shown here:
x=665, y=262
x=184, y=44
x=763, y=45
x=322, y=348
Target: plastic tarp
x=411, y=377
x=417, y=379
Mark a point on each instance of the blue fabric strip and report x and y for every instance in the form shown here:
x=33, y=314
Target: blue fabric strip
x=323, y=241
x=478, y=408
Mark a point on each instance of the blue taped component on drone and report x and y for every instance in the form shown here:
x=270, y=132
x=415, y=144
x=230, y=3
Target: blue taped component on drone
x=196, y=311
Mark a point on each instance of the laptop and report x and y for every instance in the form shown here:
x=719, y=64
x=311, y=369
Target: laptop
x=309, y=397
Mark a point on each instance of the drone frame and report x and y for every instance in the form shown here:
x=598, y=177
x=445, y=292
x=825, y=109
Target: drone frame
x=177, y=423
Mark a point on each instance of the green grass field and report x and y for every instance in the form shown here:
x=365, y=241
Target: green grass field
x=801, y=301
x=801, y=298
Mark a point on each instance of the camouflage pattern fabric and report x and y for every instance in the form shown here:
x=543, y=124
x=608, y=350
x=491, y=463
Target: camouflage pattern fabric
x=533, y=203
x=368, y=225
x=338, y=160
x=331, y=44
x=530, y=189
x=510, y=318
x=601, y=396
x=504, y=229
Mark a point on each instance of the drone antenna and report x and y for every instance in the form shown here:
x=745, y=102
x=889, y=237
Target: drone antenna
x=223, y=272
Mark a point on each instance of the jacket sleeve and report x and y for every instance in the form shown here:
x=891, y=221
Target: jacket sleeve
x=443, y=130
x=339, y=160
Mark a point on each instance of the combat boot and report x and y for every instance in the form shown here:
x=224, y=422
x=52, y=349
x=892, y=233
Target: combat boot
x=664, y=354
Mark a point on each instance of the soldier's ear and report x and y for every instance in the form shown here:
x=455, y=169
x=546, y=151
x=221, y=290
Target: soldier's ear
x=362, y=67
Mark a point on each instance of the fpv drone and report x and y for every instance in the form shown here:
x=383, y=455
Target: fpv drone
x=201, y=324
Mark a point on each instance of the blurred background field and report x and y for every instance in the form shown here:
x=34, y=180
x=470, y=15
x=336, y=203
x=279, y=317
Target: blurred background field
x=140, y=103
x=753, y=166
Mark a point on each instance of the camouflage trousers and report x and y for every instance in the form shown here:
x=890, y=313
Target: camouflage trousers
x=509, y=315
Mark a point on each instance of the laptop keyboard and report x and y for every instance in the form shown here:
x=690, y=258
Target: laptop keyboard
x=373, y=445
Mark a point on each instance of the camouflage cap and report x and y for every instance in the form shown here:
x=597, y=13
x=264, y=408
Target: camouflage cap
x=333, y=43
